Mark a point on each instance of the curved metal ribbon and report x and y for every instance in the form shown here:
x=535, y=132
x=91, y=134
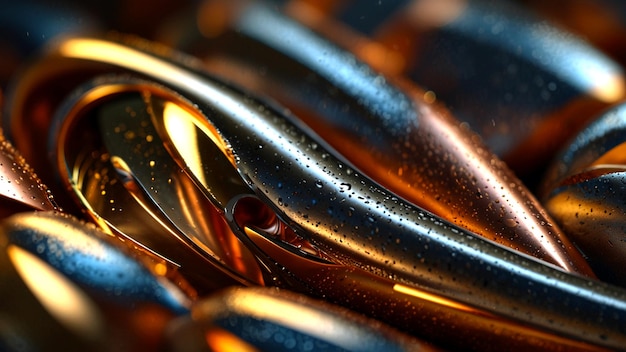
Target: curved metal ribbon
x=351, y=217
x=584, y=191
x=389, y=132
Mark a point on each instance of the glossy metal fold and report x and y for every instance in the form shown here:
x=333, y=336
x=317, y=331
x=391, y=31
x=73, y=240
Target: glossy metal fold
x=266, y=319
x=65, y=288
x=389, y=132
x=526, y=86
x=118, y=171
x=360, y=225
x=20, y=188
x=584, y=192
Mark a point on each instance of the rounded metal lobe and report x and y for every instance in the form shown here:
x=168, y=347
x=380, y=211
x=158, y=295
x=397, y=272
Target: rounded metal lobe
x=584, y=191
x=79, y=251
x=65, y=288
x=593, y=212
x=278, y=320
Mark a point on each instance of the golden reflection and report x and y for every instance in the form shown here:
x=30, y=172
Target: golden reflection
x=220, y=340
x=316, y=323
x=436, y=13
x=182, y=127
x=61, y=298
x=119, y=55
x=609, y=89
x=411, y=291
x=614, y=157
x=181, y=131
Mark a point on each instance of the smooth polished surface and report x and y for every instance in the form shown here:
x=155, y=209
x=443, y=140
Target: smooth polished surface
x=278, y=320
x=584, y=191
x=94, y=138
x=525, y=85
x=391, y=134
x=349, y=216
x=20, y=188
x=78, y=251
x=305, y=270
x=65, y=288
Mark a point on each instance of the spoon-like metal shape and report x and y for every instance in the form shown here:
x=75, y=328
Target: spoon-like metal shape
x=266, y=319
x=148, y=205
x=413, y=148
x=523, y=84
x=124, y=123
x=584, y=191
x=64, y=287
x=130, y=140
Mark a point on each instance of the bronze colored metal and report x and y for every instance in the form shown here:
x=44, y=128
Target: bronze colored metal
x=20, y=188
x=266, y=319
x=379, y=245
x=523, y=84
x=584, y=191
x=362, y=227
x=389, y=132
x=65, y=288
x=148, y=205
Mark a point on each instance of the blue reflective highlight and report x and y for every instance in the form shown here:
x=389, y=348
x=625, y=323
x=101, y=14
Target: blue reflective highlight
x=93, y=264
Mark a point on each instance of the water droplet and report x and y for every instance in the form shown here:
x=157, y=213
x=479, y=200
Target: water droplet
x=319, y=184
x=510, y=222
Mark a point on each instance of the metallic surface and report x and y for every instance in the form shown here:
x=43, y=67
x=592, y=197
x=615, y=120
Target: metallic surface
x=20, y=188
x=78, y=251
x=356, y=221
x=278, y=320
x=393, y=135
x=115, y=198
x=124, y=124
x=210, y=168
x=584, y=191
x=348, y=215
x=523, y=84
x=65, y=288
